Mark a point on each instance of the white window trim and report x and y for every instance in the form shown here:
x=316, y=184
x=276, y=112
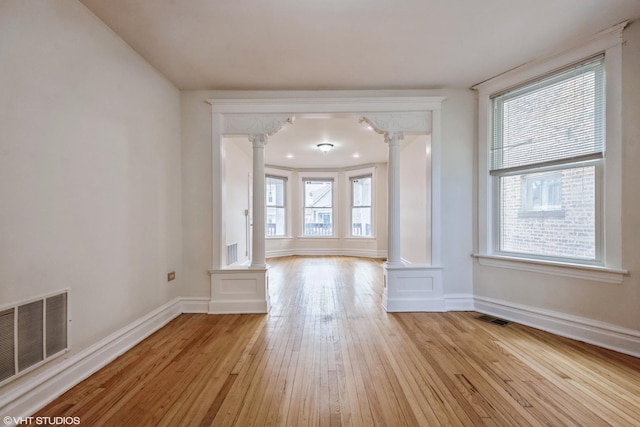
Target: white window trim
x=609, y=42
x=285, y=179
x=371, y=171
x=307, y=176
x=286, y=174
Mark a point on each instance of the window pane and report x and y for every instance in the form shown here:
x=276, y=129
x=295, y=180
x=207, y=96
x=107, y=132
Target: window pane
x=549, y=214
x=318, y=222
x=275, y=221
x=318, y=210
x=559, y=117
x=361, y=222
x=275, y=191
x=275, y=200
x=361, y=191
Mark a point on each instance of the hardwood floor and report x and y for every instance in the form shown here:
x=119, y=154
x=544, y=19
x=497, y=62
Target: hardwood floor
x=328, y=355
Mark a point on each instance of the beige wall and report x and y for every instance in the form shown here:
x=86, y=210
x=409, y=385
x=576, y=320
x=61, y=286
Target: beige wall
x=89, y=169
x=617, y=304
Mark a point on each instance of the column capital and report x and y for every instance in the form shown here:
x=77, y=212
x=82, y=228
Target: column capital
x=259, y=140
x=393, y=138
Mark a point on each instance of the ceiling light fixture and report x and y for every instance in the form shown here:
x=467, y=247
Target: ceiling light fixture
x=325, y=146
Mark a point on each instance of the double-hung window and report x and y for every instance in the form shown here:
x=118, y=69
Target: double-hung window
x=276, y=224
x=318, y=207
x=550, y=164
x=546, y=165
x=361, y=206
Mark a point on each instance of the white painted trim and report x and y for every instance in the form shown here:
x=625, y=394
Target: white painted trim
x=195, y=305
x=578, y=271
x=328, y=105
x=458, y=302
x=606, y=335
x=26, y=397
x=257, y=306
x=363, y=253
x=412, y=288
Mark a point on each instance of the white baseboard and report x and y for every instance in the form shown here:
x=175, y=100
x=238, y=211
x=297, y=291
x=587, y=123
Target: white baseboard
x=602, y=334
x=195, y=305
x=363, y=253
x=31, y=395
x=458, y=302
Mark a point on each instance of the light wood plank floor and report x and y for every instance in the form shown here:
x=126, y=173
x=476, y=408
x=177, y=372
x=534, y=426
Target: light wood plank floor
x=328, y=355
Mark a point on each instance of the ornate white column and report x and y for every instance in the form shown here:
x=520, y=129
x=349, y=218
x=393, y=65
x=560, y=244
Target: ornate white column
x=241, y=288
x=259, y=140
x=394, y=256
x=407, y=287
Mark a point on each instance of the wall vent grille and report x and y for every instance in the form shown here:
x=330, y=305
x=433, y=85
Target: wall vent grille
x=232, y=253
x=31, y=333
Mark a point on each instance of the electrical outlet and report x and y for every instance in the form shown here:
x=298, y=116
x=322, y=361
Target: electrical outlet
x=171, y=276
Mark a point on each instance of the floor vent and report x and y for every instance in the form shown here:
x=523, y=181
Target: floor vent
x=494, y=320
x=232, y=253
x=31, y=333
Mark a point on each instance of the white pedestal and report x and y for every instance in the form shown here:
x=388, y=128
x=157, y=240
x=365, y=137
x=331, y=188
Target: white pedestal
x=240, y=290
x=412, y=288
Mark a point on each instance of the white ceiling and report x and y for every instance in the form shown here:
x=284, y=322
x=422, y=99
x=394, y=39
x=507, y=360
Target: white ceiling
x=348, y=44
x=296, y=145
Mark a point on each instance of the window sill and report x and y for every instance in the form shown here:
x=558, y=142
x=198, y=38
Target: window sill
x=359, y=238
x=278, y=237
x=587, y=272
x=318, y=237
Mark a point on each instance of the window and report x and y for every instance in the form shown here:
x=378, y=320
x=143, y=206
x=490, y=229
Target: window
x=361, y=206
x=276, y=206
x=542, y=194
x=318, y=207
x=546, y=158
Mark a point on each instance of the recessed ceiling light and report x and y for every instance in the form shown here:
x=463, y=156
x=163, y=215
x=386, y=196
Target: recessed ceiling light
x=289, y=156
x=356, y=155
x=369, y=127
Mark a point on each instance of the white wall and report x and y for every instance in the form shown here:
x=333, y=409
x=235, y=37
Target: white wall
x=89, y=169
x=615, y=304
x=415, y=213
x=237, y=171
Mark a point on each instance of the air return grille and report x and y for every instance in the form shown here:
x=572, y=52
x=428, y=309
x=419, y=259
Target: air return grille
x=31, y=333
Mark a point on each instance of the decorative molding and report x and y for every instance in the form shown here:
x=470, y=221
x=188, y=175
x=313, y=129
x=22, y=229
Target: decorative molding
x=408, y=122
x=254, y=124
x=594, y=332
x=586, y=272
x=412, y=289
x=258, y=140
x=364, y=253
x=229, y=102
x=458, y=302
x=239, y=290
x=25, y=397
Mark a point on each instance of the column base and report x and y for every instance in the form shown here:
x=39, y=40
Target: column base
x=412, y=288
x=240, y=290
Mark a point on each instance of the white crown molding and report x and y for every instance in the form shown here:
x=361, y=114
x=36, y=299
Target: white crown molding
x=327, y=106
x=402, y=122
x=254, y=124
